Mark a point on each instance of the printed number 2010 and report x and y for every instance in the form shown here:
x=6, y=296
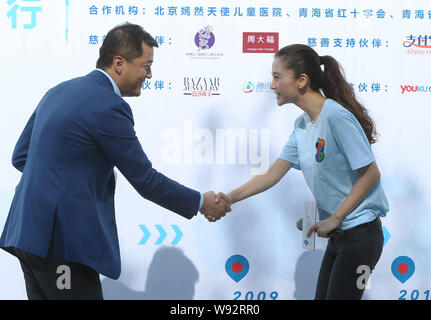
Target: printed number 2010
x=414, y=295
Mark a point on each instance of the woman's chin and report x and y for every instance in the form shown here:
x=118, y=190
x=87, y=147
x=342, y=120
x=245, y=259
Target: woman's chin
x=280, y=102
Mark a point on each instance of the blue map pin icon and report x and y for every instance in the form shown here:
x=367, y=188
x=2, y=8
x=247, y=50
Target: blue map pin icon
x=237, y=267
x=403, y=268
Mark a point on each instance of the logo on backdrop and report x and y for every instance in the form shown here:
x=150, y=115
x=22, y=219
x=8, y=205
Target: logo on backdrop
x=256, y=87
x=248, y=87
x=418, y=44
x=237, y=267
x=415, y=89
x=204, y=41
x=403, y=268
x=201, y=86
x=260, y=42
x=25, y=11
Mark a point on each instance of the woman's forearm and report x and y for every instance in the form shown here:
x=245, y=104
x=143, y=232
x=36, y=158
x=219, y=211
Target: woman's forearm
x=262, y=182
x=369, y=177
x=254, y=186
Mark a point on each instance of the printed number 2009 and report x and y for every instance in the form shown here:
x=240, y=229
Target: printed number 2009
x=260, y=296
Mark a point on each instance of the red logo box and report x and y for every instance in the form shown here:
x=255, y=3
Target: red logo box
x=260, y=42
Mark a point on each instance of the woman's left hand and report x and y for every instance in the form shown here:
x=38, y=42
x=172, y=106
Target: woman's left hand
x=324, y=227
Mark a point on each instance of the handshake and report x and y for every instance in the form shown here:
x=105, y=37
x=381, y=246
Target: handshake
x=215, y=206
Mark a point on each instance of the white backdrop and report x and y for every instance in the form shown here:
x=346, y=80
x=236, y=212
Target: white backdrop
x=231, y=132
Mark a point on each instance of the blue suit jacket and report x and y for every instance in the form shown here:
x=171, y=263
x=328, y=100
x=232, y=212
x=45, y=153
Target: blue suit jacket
x=79, y=131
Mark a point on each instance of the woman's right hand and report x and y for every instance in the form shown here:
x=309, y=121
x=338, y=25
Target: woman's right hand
x=223, y=196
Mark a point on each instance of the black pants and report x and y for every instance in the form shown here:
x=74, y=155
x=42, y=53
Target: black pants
x=349, y=257
x=52, y=279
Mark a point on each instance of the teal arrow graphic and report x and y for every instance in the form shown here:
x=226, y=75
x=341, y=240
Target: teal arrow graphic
x=386, y=235
x=178, y=236
x=147, y=234
x=162, y=234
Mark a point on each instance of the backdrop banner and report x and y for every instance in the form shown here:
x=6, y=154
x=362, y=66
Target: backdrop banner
x=208, y=119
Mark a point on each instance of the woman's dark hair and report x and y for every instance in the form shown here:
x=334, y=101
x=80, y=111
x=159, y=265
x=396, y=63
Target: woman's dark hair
x=304, y=60
x=124, y=40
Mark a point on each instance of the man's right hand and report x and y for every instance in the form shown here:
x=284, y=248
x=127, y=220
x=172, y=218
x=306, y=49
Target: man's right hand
x=213, y=210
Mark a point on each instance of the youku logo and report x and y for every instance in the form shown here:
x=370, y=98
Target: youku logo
x=415, y=89
x=418, y=45
x=205, y=39
x=201, y=86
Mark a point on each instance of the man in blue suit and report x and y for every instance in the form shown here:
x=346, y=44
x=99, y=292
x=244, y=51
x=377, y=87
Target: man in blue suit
x=63, y=210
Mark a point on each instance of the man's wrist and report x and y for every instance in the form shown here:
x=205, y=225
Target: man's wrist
x=201, y=202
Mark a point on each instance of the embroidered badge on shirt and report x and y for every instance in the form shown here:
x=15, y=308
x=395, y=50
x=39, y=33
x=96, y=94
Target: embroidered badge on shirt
x=320, y=147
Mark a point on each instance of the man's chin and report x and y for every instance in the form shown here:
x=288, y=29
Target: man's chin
x=138, y=92
x=135, y=93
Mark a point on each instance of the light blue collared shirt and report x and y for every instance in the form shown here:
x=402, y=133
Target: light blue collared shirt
x=118, y=92
x=116, y=89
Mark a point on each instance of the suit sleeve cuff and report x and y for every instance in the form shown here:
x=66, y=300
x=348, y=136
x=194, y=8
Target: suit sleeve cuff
x=201, y=201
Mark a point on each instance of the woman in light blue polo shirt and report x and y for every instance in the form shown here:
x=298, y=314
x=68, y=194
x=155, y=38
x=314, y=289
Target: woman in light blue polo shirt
x=330, y=144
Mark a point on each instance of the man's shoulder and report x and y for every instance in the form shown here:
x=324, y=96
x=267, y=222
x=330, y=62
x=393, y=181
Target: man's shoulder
x=92, y=80
x=94, y=85
x=88, y=94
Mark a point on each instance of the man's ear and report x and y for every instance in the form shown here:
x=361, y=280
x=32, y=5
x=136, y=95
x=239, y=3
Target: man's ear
x=118, y=64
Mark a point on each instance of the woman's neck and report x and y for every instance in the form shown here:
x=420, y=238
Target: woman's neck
x=311, y=102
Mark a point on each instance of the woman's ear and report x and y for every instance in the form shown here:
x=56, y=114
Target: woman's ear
x=303, y=81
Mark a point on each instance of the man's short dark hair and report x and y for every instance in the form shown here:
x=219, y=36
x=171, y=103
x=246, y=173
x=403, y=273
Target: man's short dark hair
x=124, y=40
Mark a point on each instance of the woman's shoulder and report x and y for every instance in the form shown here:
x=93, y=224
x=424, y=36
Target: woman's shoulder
x=335, y=111
x=300, y=121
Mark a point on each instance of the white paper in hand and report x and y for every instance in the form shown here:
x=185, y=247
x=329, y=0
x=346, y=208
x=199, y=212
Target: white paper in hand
x=308, y=220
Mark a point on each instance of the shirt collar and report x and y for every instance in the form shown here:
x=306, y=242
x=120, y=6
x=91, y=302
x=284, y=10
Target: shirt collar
x=116, y=89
